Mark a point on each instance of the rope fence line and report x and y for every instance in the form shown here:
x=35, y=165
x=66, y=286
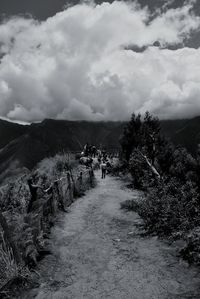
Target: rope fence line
x=58, y=196
x=42, y=211
x=26, y=244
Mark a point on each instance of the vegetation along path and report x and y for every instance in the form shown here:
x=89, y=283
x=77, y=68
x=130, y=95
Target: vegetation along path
x=98, y=252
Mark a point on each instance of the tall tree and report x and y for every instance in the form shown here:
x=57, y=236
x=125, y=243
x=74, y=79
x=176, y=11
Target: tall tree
x=141, y=135
x=131, y=136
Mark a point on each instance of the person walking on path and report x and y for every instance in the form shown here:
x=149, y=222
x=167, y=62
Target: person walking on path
x=103, y=170
x=86, y=149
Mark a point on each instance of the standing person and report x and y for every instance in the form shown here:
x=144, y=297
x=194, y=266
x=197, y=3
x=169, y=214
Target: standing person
x=94, y=151
x=99, y=159
x=86, y=150
x=103, y=152
x=90, y=150
x=99, y=154
x=103, y=170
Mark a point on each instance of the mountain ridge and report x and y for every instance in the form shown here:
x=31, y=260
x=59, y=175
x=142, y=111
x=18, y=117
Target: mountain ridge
x=26, y=145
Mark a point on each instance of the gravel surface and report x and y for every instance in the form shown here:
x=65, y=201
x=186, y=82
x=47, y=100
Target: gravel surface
x=98, y=252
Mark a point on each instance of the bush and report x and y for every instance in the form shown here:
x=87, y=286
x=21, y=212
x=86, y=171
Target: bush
x=51, y=168
x=170, y=177
x=170, y=207
x=119, y=167
x=191, y=250
x=130, y=205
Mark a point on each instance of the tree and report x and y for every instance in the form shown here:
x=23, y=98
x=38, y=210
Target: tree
x=150, y=134
x=131, y=136
x=141, y=135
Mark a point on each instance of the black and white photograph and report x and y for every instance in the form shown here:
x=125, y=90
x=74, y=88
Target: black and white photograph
x=99, y=149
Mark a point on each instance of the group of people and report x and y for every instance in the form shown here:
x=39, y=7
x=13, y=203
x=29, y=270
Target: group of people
x=90, y=151
x=103, y=160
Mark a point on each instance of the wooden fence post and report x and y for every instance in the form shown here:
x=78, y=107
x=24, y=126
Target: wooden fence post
x=91, y=174
x=69, y=186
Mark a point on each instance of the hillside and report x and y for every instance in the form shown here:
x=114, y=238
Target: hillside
x=184, y=132
x=24, y=146
x=10, y=131
x=52, y=136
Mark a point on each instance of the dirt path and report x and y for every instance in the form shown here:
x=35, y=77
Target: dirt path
x=98, y=253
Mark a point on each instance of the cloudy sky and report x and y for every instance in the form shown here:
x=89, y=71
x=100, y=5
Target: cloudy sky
x=99, y=61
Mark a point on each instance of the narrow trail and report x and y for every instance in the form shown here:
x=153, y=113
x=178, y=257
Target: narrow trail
x=99, y=253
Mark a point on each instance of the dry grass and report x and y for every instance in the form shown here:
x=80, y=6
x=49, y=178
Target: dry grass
x=9, y=267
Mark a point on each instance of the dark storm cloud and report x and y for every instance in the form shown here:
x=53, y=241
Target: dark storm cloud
x=42, y=9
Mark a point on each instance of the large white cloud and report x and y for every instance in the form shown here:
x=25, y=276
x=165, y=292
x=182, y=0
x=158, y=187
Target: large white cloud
x=75, y=66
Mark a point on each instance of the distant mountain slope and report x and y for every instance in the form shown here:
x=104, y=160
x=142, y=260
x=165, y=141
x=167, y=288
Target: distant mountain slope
x=25, y=146
x=184, y=132
x=52, y=136
x=72, y=135
x=10, y=131
x=171, y=127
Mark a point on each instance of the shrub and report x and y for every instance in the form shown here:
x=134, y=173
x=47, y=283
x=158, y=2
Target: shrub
x=51, y=168
x=130, y=205
x=119, y=167
x=9, y=268
x=191, y=249
x=170, y=207
x=170, y=177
